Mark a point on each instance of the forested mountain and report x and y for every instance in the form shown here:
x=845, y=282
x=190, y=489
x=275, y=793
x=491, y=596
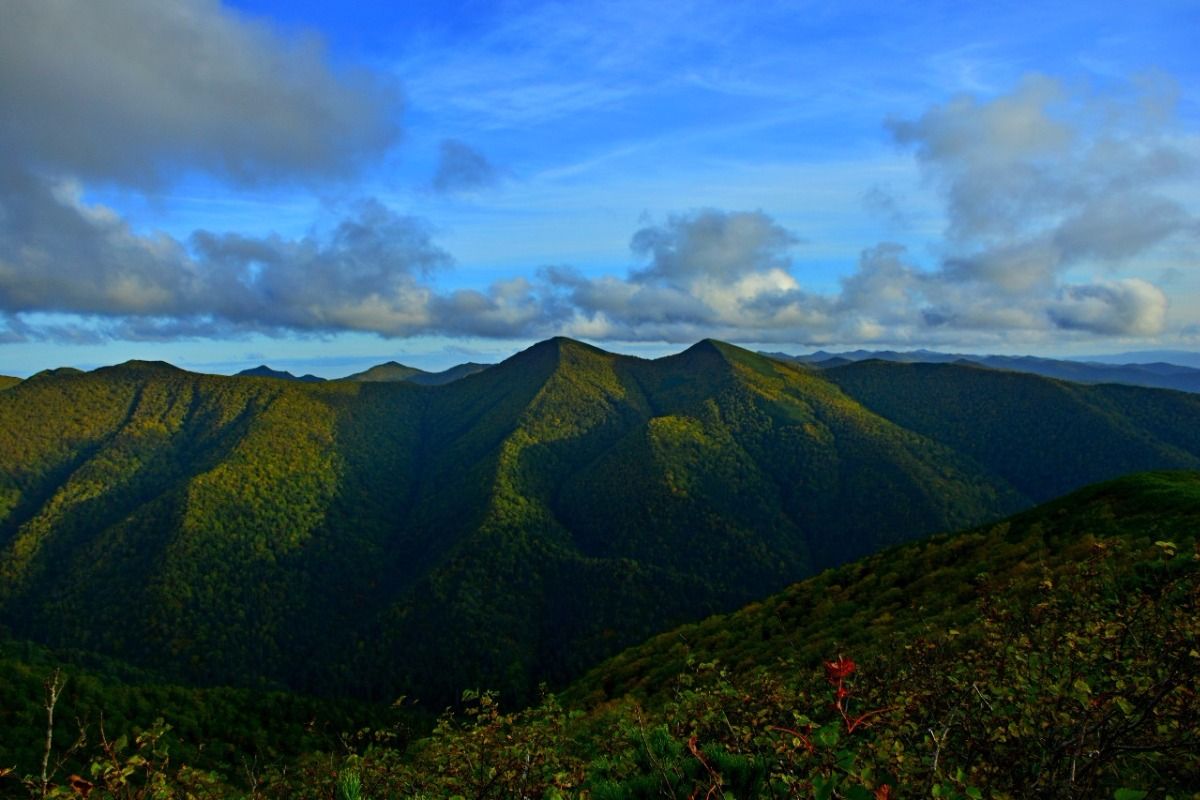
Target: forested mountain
x=7, y=381
x=1050, y=654
x=1043, y=437
x=921, y=589
x=394, y=371
x=263, y=371
x=514, y=525
x=1155, y=375
x=381, y=373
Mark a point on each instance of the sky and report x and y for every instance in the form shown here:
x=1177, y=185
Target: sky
x=322, y=188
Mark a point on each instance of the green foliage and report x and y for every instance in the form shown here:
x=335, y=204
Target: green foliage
x=514, y=526
x=206, y=727
x=385, y=373
x=1055, y=654
x=1043, y=437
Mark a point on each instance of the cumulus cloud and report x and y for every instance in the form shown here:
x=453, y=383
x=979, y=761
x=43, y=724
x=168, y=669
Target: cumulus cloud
x=711, y=245
x=1039, y=184
x=140, y=93
x=461, y=168
x=1042, y=187
x=704, y=273
x=57, y=254
x=1131, y=306
x=134, y=91
x=1051, y=197
x=374, y=270
x=1042, y=181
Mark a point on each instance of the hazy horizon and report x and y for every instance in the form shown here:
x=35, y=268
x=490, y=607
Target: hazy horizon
x=341, y=366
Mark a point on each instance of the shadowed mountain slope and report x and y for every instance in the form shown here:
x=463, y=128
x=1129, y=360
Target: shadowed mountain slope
x=512, y=526
x=906, y=593
x=1044, y=437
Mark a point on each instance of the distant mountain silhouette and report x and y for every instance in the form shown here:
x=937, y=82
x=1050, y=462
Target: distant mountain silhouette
x=263, y=371
x=1157, y=375
x=393, y=371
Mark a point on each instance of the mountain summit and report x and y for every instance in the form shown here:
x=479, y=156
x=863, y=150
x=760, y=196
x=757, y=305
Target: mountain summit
x=512, y=526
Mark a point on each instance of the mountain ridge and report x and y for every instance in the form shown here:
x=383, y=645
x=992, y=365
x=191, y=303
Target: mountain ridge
x=1149, y=506
x=389, y=537
x=395, y=371
x=1158, y=375
x=263, y=371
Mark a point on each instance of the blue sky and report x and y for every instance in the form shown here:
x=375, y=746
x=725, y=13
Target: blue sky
x=323, y=188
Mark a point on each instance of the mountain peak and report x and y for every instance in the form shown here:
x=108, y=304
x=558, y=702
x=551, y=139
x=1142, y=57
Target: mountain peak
x=567, y=344
x=556, y=347
x=139, y=365
x=389, y=371
x=263, y=371
x=711, y=350
x=713, y=346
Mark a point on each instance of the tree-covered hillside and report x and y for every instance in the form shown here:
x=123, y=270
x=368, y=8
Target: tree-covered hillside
x=1044, y=437
x=513, y=526
x=1054, y=654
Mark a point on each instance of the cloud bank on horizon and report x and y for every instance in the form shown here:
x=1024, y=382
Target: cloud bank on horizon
x=1066, y=208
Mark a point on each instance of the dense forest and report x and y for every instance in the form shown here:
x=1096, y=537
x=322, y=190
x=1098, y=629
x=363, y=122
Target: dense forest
x=512, y=527
x=1053, y=654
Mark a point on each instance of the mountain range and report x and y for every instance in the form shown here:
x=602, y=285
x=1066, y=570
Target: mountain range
x=1154, y=374
x=515, y=525
x=263, y=371
x=387, y=372
x=392, y=371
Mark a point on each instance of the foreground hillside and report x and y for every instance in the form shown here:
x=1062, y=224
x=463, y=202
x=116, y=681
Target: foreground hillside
x=514, y=526
x=1054, y=654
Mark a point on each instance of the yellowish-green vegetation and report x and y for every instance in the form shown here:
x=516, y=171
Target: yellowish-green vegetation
x=1053, y=654
x=378, y=539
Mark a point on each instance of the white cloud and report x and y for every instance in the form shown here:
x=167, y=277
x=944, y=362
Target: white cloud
x=136, y=91
x=1131, y=307
x=1052, y=199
